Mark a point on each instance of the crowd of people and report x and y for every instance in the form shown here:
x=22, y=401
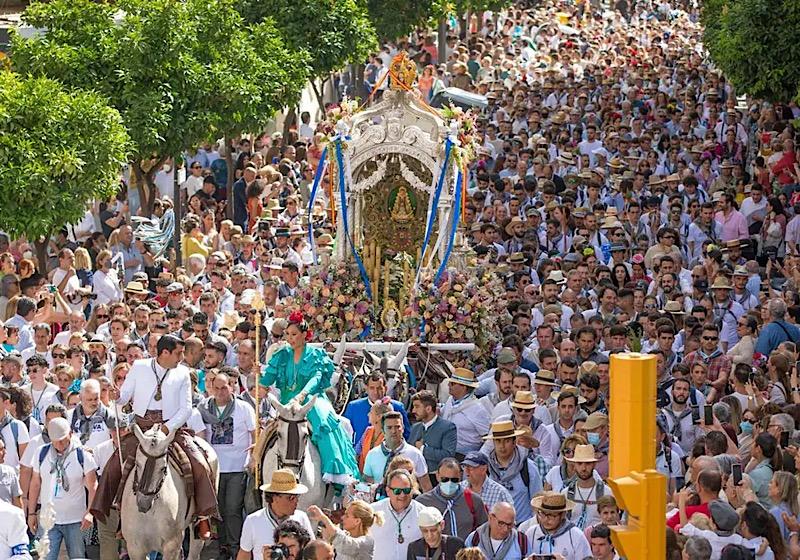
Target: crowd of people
x=627, y=198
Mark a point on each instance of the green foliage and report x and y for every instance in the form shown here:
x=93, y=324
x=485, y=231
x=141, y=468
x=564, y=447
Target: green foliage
x=58, y=150
x=756, y=44
x=397, y=18
x=178, y=71
x=334, y=32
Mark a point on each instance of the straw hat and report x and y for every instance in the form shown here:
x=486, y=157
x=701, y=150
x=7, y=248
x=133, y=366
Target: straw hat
x=552, y=502
x=566, y=159
x=545, y=377
x=674, y=307
x=740, y=271
x=595, y=420
x=503, y=430
x=284, y=482
x=557, y=276
x=583, y=454
x=463, y=376
x=524, y=400
x=721, y=283
x=136, y=288
x=514, y=221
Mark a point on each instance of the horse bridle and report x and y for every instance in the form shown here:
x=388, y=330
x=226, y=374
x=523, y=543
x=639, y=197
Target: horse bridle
x=149, y=467
x=295, y=452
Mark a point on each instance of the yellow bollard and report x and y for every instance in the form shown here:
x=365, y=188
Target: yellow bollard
x=632, y=414
x=644, y=496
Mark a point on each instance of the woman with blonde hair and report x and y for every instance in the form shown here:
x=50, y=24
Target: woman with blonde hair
x=782, y=491
x=106, y=281
x=471, y=553
x=352, y=541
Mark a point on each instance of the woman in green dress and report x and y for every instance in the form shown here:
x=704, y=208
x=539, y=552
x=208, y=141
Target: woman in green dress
x=298, y=370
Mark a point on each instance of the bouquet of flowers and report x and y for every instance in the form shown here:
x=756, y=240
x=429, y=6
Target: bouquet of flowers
x=335, y=302
x=464, y=306
x=462, y=124
x=344, y=111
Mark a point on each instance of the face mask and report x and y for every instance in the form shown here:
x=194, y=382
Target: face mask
x=746, y=427
x=594, y=439
x=448, y=488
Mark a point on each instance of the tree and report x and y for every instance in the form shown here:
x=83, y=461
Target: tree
x=756, y=44
x=334, y=32
x=396, y=18
x=59, y=150
x=177, y=70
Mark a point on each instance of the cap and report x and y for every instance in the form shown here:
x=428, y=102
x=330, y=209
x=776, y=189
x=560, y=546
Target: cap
x=724, y=516
x=506, y=356
x=475, y=459
x=595, y=420
x=174, y=287
x=58, y=429
x=429, y=517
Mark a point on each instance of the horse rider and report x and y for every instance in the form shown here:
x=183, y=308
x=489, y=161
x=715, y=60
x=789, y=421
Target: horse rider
x=160, y=391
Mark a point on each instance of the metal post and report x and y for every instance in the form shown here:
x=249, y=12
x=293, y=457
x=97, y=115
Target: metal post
x=176, y=194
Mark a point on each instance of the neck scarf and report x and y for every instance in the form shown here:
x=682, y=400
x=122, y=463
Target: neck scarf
x=546, y=543
x=708, y=357
x=58, y=468
x=506, y=475
x=485, y=543
x=82, y=424
x=5, y=421
x=211, y=414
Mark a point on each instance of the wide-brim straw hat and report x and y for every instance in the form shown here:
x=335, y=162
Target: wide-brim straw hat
x=284, y=482
x=552, y=502
x=503, y=430
x=524, y=400
x=583, y=454
x=463, y=376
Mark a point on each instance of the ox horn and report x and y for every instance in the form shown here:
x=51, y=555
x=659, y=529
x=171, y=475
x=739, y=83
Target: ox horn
x=398, y=359
x=306, y=407
x=339, y=355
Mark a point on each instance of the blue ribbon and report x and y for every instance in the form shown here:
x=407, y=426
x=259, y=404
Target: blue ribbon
x=448, y=146
x=317, y=178
x=453, y=228
x=337, y=141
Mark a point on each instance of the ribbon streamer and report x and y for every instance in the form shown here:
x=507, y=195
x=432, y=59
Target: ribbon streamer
x=340, y=166
x=453, y=227
x=448, y=146
x=317, y=179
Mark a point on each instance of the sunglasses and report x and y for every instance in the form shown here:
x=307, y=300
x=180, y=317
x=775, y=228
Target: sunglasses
x=449, y=479
x=277, y=335
x=103, y=316
x=710, y=338
x=398, y=491
x=59, y=356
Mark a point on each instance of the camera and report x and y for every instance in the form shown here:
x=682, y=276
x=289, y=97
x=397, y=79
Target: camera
x=278, y=552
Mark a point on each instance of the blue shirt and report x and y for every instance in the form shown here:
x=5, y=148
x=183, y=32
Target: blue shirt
x=25, y=332
x=129, y=254
x=357, y=412
x=773, y=334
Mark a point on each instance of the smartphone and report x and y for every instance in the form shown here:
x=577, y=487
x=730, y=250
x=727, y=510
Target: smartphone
x=709, y=414
x=784, y=439
x=736, y=471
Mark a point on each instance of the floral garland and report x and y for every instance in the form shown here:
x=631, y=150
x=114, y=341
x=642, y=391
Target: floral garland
x=462, y=125
x=464, y=306
x=344, y=111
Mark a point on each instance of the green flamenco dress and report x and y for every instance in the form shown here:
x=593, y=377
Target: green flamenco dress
x=312, y=375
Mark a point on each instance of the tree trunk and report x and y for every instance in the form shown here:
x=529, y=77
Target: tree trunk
x=291, y=118
x=358, y=82
x=319, y=94
x=41, y=254
x=442, y=39
x=229, y=179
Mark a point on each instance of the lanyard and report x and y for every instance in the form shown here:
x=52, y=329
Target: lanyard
x=399, y=522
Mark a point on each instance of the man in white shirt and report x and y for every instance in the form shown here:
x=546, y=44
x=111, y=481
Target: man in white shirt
x=230, y=425
x=280, y=496
x=394, y=444
x=41, y=344
x=13, y=432
x=66, y=280
x=77, y=326
x=13, y=533
x=401, y=515
x=91, y=421
x=43, y=394
x=463, y=409
x=160, y=390
x=63, y=474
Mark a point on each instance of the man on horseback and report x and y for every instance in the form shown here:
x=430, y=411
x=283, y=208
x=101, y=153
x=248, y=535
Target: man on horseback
x=160, y=392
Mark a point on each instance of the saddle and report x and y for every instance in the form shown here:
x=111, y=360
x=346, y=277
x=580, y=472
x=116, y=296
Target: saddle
x=264, y=441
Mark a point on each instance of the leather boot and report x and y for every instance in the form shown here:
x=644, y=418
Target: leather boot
x=203, y=529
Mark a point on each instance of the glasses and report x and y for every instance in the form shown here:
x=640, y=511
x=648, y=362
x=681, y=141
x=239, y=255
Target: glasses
x=196, y=167
x=59, y=356
x=450, y=479
x=274, y=335
x=523, y=410
x=103, y=316
x=710, y=338
x=568, y=452
x=503, y=523
x=398, y=491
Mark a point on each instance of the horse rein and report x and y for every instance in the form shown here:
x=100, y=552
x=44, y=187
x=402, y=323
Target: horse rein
x=149, y=468
x=295, y=453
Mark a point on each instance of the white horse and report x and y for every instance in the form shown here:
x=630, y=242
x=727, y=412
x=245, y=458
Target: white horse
x=292, y=449
x=156, y=513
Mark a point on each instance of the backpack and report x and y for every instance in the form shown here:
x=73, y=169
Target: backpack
x=471, y=505
x=46, y=449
